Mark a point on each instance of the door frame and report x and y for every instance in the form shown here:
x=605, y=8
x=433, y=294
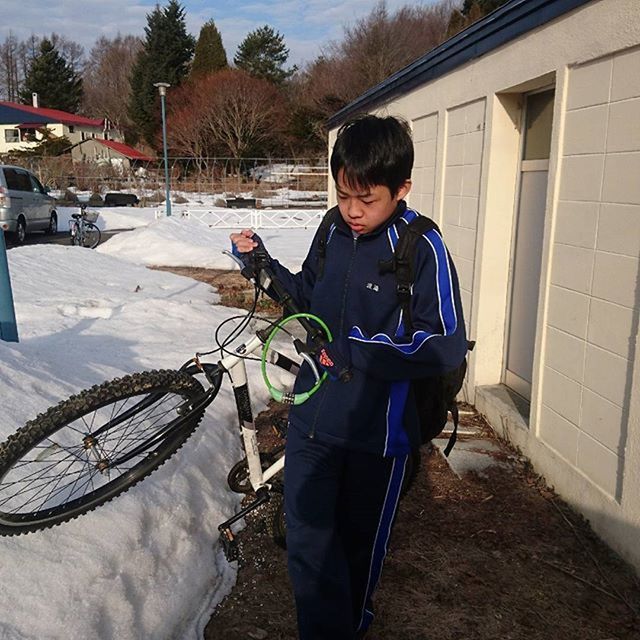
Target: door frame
x=508, y=378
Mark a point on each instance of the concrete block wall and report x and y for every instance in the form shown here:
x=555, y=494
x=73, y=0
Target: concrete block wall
x=425, y=141
x=461, y=191
x=594, y=294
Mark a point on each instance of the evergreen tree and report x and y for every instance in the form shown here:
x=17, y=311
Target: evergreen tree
x=209, y=55
x=165, y=57
x=55, y=81
x=263, y=55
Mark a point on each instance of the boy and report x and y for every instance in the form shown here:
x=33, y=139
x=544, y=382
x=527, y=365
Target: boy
x=347, y=447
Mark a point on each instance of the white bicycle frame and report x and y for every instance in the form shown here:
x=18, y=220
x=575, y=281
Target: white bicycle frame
x=234, y=365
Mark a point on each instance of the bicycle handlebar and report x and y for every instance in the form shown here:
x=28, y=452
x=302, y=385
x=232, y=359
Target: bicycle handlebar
x=260, y=272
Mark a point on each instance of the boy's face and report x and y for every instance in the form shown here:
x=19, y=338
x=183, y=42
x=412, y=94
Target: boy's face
x=364, y=209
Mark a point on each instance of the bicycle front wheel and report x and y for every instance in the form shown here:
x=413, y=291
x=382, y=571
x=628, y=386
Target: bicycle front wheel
x=88, y=449
x=90, y=235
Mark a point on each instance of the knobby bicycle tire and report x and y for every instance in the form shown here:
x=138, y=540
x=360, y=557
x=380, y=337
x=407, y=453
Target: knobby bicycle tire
x=90, y=236
x=94, y=446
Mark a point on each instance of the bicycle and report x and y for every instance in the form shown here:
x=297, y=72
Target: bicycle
x=97, y=444
x=83, y=230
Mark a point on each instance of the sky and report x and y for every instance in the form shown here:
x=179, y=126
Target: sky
x=307, y=25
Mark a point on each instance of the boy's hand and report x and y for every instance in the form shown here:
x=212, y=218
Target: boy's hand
x=335, y=358
x=243, y=243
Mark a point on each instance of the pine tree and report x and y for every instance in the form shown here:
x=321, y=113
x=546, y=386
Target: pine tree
x=165, y=57
x=53, y=79
x=263, y=55
x=209, y=55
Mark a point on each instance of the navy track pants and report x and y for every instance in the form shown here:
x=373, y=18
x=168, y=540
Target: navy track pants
x=340, y=506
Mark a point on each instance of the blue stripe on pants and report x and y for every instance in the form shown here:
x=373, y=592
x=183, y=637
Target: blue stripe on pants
x=387, y=518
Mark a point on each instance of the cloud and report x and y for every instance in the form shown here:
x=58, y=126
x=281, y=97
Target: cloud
x=307, y=25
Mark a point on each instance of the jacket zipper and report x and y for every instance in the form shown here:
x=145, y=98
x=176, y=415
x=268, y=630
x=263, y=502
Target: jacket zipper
x=347, y=279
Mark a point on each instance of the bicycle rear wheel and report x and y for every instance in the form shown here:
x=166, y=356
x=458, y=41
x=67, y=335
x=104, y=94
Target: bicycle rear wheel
x=90, y=236
x=95, y=445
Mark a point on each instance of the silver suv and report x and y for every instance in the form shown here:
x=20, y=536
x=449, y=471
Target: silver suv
x=25, y=205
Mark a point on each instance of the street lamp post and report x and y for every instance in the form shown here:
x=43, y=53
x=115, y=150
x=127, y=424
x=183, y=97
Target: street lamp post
x=162, y=89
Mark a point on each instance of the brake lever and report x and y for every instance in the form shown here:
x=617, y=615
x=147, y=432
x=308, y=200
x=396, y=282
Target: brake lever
x=234, y=258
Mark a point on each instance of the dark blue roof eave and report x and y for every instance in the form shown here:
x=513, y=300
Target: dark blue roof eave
x=506, y=23
x=12, y=115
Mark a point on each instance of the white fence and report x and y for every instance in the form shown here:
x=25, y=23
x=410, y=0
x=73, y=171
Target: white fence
x=248, y=218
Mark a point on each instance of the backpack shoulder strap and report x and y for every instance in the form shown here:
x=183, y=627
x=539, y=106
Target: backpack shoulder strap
x=324, y=230
x=404, y=261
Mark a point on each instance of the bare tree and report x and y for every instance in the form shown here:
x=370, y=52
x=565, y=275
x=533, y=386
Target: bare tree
x=245, y=113
x=381, y=43
x=371, y=50
x=106, y=79
x=71, y=51
x=228, y=112
x=187, y=133
x=10, y=77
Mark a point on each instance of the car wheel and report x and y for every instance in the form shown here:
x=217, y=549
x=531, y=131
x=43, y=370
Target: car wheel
x=52, y=229
x=21, y=231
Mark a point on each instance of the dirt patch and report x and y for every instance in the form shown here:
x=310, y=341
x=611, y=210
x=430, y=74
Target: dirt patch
x=234, y=290
x=491, y=555
x=486, y=556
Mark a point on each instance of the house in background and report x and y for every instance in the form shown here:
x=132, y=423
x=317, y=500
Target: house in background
x=22, y=126
x=112, y=152
x=526, y=128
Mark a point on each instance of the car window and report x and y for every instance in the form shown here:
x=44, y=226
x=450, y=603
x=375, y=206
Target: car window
x=11, y=178
x=35, y=184
x=18, y=180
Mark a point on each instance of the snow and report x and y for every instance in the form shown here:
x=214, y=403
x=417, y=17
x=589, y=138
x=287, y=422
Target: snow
x=186, y=242
x=147, y=565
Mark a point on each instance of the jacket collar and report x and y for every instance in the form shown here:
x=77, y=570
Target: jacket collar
x=392, y=219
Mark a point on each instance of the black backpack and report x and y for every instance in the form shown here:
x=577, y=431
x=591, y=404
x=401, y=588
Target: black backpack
x=435, y=396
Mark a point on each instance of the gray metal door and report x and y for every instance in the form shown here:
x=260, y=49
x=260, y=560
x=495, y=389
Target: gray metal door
x=527, y=242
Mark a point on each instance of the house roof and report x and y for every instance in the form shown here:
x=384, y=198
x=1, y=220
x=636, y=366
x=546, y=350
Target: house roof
x=124, y=149
x=506, y=23
x=12, y=112
x=119, y=147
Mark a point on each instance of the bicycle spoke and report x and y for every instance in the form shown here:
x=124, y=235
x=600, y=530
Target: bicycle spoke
x=32, y=491
x=39, y=471
x=124, y=435
x=75, y=459
x=143, y=417
x=55, y=486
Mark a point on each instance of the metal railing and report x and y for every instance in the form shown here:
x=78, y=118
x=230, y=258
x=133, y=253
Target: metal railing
x=248, y=218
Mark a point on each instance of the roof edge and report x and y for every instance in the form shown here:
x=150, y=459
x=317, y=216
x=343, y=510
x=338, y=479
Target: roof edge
x=506, y=23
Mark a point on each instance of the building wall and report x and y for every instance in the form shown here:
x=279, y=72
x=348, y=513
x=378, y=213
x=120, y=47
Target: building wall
x=75, y=134
x=582, y=426
x=592, y=317
x=93, y=151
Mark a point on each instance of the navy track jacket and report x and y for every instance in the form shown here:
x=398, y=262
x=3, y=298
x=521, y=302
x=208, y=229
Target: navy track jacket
x=375, y=411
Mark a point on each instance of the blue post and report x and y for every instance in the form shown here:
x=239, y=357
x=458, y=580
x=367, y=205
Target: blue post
x=166, y=159
x=8, y=325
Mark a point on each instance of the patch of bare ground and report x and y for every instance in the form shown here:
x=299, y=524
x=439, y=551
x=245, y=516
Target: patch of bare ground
x=488, y=556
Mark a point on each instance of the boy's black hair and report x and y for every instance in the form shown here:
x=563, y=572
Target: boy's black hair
x=373, y=151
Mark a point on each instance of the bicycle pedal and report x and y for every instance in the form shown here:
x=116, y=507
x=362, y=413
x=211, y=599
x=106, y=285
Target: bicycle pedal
x=280, y=427
x=229, y=544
